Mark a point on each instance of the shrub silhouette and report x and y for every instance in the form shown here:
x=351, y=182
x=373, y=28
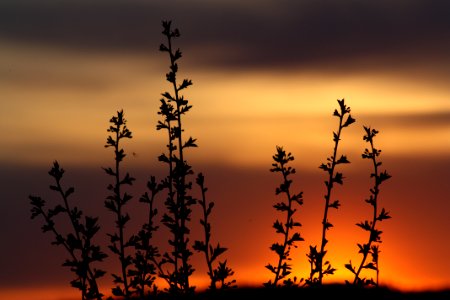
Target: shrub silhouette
x=79, y=244
x=116, y=202
x=370, y=226
x=316, y=257
x=222, y=272
x=283, y=267
x=141, y=267
x=145, y=260
x=178, y=203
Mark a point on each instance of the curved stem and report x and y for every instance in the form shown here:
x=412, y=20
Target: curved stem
x=181, y=183
x=119, y=216
x=327, y=201
x=207, y=239
x=375, y=214
x=171, y=193
x=288, y=221
x=90, y=277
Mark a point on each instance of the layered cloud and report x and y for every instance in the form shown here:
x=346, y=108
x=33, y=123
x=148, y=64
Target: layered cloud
x=238, y=34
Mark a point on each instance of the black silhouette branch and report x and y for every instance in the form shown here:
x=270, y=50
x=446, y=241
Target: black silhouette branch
x=283, y=267
x=178, y=202
x=378, y=216
x=222, y=272
x=82, y=251
x=316, y=257
x=116, y=201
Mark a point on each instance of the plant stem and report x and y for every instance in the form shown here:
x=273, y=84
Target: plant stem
x=327, y=200
x=119, y=216
x=77, y=234
x=375, y=213
x=288, y=221
x=207, y=239
x=84, y=257
x=181, y=180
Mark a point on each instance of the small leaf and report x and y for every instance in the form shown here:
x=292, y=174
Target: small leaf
x=335, y=137
x=163, y=158
x=185, y=84
x=383, y=215
x=363, y=248
x=271, y=268
x=382, y=177
x=350, y=267
x=163, y=48
x=69, y=192
x=324, y=167
x=279, y=249
x=295, y=238
x=349, y=121
x=117, y=291
x=278, y=227
x=335, y=204
x=343, y=160
x=281, y=206
x=370, y=266
x=328, y=225
x=199, y=246
x=217, y=251
x=190, y=143
x=338, y=178
x=366, y=225
x=109, y=171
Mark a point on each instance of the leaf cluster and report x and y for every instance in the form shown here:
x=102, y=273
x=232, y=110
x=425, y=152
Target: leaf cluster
x=283, y=267
x=139, y=271
x=370, y=248
x=178, y=202
x=317, y=266
x=222, y=272
x=316, y=257
x=78, y=243
x=145, y=261
x=117, y=200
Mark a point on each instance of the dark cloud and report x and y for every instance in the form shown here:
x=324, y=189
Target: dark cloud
x=279, y=33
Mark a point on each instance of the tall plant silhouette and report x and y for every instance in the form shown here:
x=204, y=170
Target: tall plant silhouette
x=222, y=271
x=145, y=260
x=283, y=267
x=371, y=247
x=79, y=244
x=318, y=266
x=116, y=201
x=178, y=203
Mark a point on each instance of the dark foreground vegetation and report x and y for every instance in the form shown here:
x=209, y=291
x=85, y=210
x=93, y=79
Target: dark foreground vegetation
x=183, y=190
x=326, y=291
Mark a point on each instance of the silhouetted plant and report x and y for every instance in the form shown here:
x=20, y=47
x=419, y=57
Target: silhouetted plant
x=78, y=243
x=145, y=263
x=283, y=267
x=140, y=269
x=178, y=202
x=370, y=226
x=117, y=200
x=316, y=257
x=222, y=272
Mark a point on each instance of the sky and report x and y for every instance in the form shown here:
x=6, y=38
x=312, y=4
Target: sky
x=265, y=73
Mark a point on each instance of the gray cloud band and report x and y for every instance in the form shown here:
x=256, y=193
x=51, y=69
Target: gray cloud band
x=288, y=33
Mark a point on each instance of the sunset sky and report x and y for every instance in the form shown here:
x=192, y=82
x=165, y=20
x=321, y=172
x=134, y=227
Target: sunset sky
x=265, y=73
